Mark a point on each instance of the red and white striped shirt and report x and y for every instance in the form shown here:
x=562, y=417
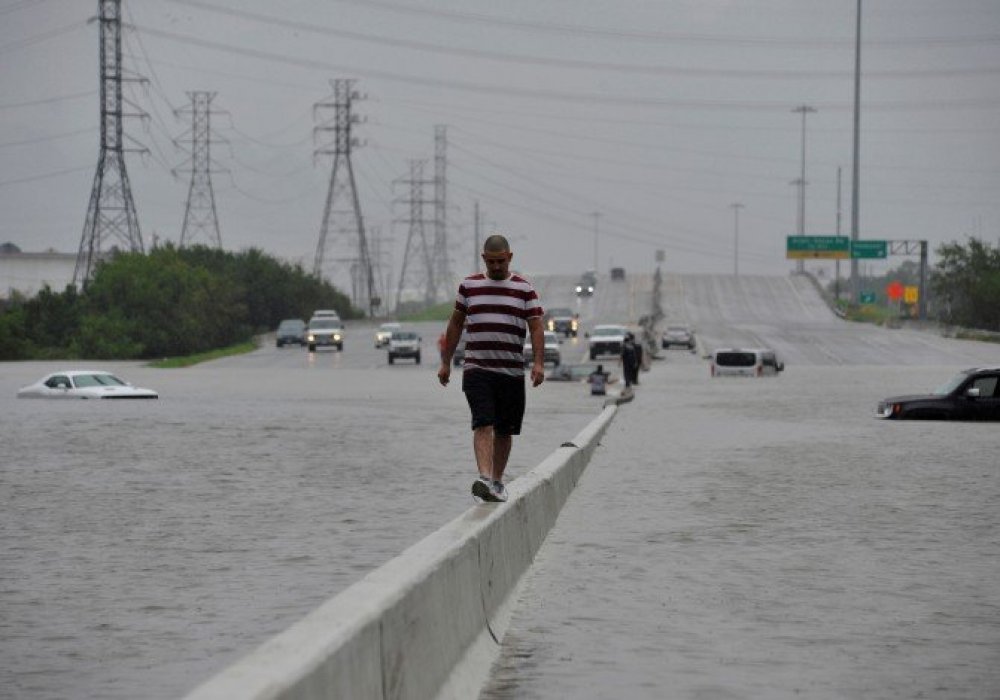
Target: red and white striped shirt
x=496, y=321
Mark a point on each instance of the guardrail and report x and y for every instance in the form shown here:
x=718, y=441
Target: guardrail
x=427, y=624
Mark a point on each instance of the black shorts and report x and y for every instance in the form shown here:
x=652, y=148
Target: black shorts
x=494, y=399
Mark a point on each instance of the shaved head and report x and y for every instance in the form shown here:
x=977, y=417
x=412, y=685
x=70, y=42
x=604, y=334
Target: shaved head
x=496, y=244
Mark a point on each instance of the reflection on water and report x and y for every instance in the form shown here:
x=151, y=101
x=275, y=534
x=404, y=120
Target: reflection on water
x=145, y=547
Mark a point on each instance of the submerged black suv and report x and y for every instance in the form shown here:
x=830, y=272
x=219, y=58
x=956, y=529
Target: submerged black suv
x=972, y=394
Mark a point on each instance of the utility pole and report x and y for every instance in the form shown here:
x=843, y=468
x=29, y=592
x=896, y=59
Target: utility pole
x=856, y=172
x=804, y=110
x=597, y=217
x=200, y=216
x=416, y=238
x=836, y=271
x=342, y=183
x=442, y=273
x=111, y=211
x=736, y=206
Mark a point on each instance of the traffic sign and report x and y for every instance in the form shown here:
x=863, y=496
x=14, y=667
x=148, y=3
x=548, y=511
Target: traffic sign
x=894, y=290
x=827, y=247
x=867, y=297
x=911, y=294
x=869, y=249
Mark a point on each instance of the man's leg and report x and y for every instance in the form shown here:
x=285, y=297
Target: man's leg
x=501, y=451
x=483, y=444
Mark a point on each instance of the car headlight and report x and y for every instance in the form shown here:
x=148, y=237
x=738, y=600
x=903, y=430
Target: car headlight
x=573, y=324
x=336, y=336
x=551, y=325
x=310, y=337
x=579, y=289
x=887, y=410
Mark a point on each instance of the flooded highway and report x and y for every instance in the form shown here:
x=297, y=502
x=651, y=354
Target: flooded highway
x=146, y=545
x=768, y=538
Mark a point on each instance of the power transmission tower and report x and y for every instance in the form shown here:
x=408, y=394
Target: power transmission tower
x=416, y=239
x=200, y=218
x=381, y=257
x=342, y=183
x=111, y=211
x=442, y=272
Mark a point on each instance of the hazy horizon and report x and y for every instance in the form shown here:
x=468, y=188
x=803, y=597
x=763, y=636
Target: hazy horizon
x=658, y=115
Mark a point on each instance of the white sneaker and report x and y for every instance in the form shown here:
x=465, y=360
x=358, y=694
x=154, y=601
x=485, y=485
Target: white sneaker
x=482, y=490
x=499, y=491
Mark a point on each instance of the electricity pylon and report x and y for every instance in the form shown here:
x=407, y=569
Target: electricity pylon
x=342, y=184
x=417, y=245
x=200, y=217
x=442, y=266
x=111, y=211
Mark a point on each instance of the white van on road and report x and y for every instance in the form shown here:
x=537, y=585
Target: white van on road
x=745, y=362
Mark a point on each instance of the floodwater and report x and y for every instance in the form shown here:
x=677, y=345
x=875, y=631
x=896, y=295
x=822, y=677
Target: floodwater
x=731, y=538
x=148, y=544
x=769, y=538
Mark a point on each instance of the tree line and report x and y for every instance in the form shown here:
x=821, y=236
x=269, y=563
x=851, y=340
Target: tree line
x=167, y=303
x=966, y=284
x=963, y=285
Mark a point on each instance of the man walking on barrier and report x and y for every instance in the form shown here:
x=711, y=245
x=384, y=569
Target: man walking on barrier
x=497, y=310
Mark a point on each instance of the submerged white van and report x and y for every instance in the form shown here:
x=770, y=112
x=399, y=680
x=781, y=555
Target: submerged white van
x=745, y=362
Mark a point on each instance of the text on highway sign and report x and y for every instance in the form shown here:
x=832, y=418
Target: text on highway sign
x=828, y=247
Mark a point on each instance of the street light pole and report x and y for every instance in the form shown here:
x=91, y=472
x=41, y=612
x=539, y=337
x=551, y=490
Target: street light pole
x=736, y=206
x=804, y=110
x=856, y=172
x=597, y=216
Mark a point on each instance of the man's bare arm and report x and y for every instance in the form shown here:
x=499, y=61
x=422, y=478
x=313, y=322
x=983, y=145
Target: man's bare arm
x=452, y=334
x=537, y=335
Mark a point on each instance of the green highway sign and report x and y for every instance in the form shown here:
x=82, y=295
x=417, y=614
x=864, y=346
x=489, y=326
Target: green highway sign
x=809, y=247
x=867, y=297
x=869, y=249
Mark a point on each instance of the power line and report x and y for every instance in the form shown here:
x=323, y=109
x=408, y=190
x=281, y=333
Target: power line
x=573, y=63
x=44, y=176
x=667, y=37
x=39, y=38
x=45, y=139
x=564, y=96
x=438, y=106
x=19, y=6
x=48, y=100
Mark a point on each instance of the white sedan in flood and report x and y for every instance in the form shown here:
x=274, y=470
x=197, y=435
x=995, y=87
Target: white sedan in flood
x=84, y=384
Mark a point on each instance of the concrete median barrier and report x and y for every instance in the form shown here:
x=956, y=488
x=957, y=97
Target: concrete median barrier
x=428, y=623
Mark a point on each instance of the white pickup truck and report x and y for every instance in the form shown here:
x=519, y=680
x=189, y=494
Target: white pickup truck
x=606, y=340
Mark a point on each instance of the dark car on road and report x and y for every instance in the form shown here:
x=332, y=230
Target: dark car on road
x=972, y=394
x=587, y=284
x=291, y=330
x=562, y=320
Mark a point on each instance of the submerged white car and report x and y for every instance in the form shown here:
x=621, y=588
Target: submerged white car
x=84, y=384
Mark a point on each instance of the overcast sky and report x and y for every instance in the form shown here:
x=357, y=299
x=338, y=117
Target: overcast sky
x=658, y=114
